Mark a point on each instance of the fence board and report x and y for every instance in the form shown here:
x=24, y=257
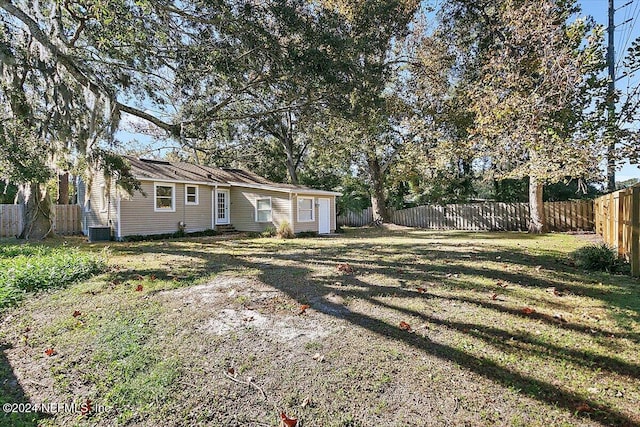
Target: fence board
x=561, y=216
x=67, y=219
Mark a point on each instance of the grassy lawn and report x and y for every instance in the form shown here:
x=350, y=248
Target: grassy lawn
x=499, y=329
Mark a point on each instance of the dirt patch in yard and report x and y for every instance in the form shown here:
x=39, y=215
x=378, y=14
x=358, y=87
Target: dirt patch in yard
x=264, y=313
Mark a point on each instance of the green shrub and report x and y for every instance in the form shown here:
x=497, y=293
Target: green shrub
x=26, y=268
x=269, y=231
x=285, y=231
x=597, y=257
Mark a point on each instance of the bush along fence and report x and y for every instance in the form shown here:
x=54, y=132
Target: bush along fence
x=67, y=219
x=575, y=215
x=617, y=220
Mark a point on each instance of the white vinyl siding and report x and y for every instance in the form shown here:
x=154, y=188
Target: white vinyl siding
x=305, y=209
x=263, y=210
x=165, y=197
x=191, y=195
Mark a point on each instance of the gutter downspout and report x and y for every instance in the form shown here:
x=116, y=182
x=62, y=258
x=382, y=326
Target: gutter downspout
x=291, y=223
x=214, y=206
x=119, y=226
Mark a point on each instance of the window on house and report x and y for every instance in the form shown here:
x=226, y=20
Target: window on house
x=165, y=198
x=104, y=198
x=263, y=210
x=191, y=195
x=305, y=209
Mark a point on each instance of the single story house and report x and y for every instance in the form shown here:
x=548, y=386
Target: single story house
x=190, y=197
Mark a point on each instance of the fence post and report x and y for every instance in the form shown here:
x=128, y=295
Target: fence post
x=635, y=232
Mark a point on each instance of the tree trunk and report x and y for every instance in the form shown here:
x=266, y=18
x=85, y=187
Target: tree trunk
x=538, y=223
x=63, y=188
x=38, y=218
x=292, y=170
x=378, y=200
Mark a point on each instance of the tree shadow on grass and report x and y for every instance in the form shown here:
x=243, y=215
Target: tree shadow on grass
x=12, y=394
x=312, y=288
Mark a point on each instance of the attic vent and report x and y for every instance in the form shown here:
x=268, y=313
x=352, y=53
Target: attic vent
x=157, y=162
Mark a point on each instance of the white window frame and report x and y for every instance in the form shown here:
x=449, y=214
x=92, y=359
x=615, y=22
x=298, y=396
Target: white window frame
x=313, y=209
x=104, y=198
x=186, y=195
x=155, y=196
x=270, y=209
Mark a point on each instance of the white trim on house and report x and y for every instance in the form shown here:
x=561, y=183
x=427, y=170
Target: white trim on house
x=119, y=226
x=186, y=195
x=270, y=209
x=291, y=222
x=285, y=190
x=157, y=184
x=313, y=208
x=104, y=198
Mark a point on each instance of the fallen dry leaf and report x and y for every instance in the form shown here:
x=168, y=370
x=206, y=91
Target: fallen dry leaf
x=49, y=352
x=139, y=288
x=288, y=422
x=494, y=297
x=306, y=402
x=345, y=268
x=405, y=326
x=231, y=371
x=76, y=313
x=303, y=308
x=318, y=357
x=152, y=278
x=86, y=408
x=421, y=290
x=583, y=407
x=528, y=310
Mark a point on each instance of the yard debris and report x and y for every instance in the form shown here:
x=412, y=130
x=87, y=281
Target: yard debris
x=318, y=357
x=306, y=402
x=50, y=352
x=76, y=313
x=286, y=421
x=345, y=268
x=501, y=284
x=555, y=291
x=559, y=317
x=231, y=374
x=494, y=297
x=421, y=290
x=303, y=309
x=139, y=288
x=538, y=267
x=583, y=407
x=528, y=310
x=405, y=326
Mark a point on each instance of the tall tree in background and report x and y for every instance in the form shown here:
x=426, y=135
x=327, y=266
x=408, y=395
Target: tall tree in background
x=531, y=89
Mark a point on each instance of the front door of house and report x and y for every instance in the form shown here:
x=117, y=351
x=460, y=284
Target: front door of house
x=222, y=207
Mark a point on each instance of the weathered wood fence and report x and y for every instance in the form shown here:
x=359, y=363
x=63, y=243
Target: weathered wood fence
x=67, y=219
x=561, y=216
x=617, y=220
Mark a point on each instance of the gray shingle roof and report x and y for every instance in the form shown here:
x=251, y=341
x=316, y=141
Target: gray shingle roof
x=181, y=171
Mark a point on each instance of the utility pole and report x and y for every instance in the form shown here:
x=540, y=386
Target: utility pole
x=611, y=103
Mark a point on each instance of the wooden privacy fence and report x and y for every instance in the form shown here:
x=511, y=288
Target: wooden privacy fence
x=561, y=216
x=11, y=217
x=617, y=220
x=67, y=219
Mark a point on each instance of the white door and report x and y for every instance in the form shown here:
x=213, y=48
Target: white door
x=222, y=207
x=324, y=216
